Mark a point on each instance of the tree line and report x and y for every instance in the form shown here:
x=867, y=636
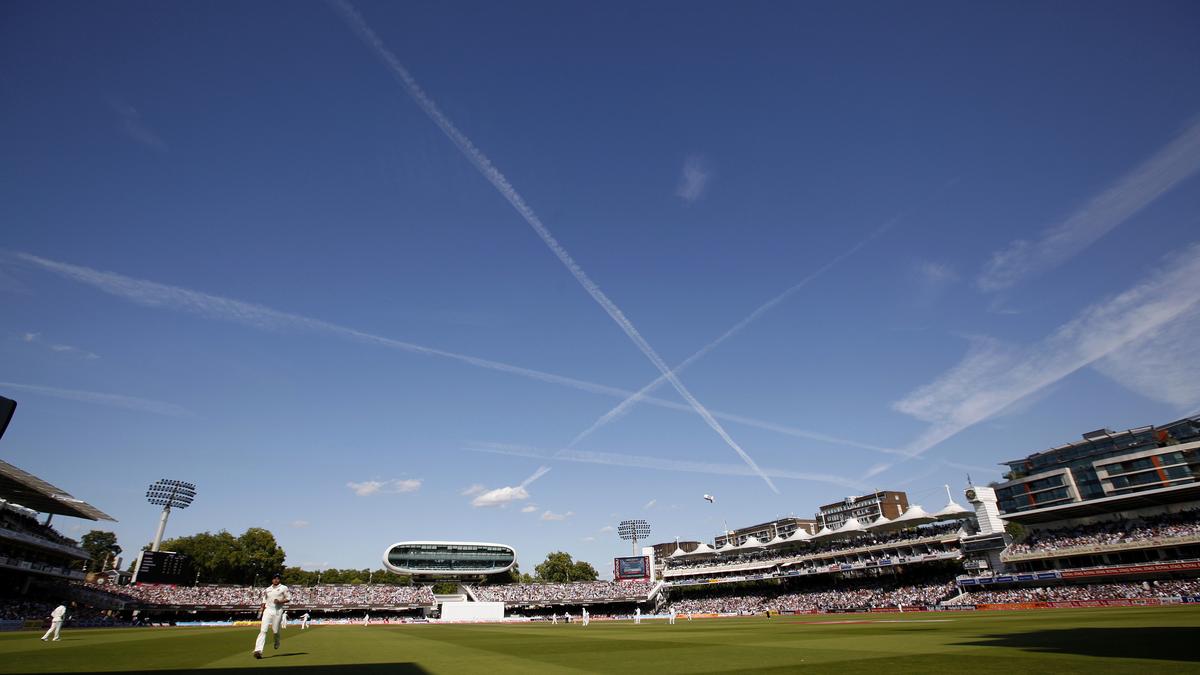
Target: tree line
x=253, y=556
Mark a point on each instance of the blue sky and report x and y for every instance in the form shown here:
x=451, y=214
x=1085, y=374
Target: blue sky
x=360, y=272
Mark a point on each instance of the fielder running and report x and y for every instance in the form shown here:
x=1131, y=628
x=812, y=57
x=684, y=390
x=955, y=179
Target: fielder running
x=304, y=621
x=274, y=602
x=56, y=622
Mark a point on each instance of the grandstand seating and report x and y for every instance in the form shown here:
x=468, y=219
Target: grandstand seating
x=1123, y=533
x=1114, y=591
x=572, y=593
x=303, y=597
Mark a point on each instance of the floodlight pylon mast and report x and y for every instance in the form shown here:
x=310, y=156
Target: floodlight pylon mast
x=168, y=494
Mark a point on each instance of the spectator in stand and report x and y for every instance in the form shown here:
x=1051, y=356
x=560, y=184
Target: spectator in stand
x=1124, y=531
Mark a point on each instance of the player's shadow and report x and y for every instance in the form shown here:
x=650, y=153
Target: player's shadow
x=1163, y=643
x=348, y=669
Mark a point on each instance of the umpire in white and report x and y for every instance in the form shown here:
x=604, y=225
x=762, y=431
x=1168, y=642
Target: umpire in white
x=274, y=602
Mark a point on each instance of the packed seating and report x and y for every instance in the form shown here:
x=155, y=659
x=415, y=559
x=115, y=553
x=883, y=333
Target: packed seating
x=861, y=596
x=1118, y=591
x=18, y=519
x=1183, y=524
x=592, y=591
x=812, y=548
x=302, y=596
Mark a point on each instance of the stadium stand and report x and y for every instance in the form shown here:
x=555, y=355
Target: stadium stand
x=1117, y=591
x=242, y=598
x=1147, y=530
x=572, y=593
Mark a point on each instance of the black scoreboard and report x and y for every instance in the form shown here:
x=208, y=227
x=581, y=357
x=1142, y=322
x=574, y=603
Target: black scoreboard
x=165, y=567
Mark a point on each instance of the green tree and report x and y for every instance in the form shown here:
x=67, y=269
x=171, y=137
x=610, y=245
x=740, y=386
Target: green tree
x=222, y=558
x=1017, y=531
x=559, y=567
x=259, y=554
x=100, y=546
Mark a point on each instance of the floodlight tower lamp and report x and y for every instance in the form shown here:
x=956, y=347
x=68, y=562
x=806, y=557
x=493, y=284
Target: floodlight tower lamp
x=633, y=530
x=169, y=494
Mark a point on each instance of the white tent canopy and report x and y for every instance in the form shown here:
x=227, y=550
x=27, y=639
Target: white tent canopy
x=850, y=527
x=952, y=511
x=823, y=533
x=915, y=515
x=879, y=523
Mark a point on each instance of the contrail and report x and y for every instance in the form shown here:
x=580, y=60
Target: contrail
x=163, y=296
x=541, y=471
x=624, y=406
x=498, y=180
x=658, y=463
x=103, y=398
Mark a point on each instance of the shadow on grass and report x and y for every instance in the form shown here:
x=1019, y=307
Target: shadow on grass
x=347, y=669
x=1166, y=644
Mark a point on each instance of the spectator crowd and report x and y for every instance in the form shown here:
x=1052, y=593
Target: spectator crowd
x=580, y=591
x=1183, y=524
x=808, y=548
x=844, y=598
x=1118, y=591
x=302, y=596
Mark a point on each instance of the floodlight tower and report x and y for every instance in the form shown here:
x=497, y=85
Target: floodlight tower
x=633, y=530
x=169, y=494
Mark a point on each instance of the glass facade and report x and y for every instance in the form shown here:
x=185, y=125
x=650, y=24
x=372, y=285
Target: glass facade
x=450, y=557
x=1144, y=460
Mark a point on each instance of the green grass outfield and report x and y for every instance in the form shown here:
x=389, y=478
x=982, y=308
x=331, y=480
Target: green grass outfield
x=1118, y=640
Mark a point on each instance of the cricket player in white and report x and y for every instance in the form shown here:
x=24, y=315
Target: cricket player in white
x=586, y=617
x=274, y=600
x=304, y=621
x=637, y=615
x=671, y=617
x=366, y=620
x=56, y=621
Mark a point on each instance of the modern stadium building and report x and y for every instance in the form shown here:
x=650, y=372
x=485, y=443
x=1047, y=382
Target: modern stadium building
x=448, y=559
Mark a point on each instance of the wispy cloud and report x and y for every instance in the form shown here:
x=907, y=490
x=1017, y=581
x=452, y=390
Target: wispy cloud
x=36, y=338
x=502, y=185
x=506, y=495
x=626, y=405
x=1162, y=365
x=693, y=178
x=650, y=504
x=300, y=524
x=134, y=126
x=394, y=486
x=936, y=273
x=657, y=463
x=1167, y=168
x=550, y=515
x=103, y=398
x=993, y=376
x=529, y=508
x=472, y=490
x=608, y=528
x=163, y=296
x=588, y=538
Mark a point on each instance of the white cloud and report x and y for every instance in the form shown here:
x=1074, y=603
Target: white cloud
x=588, y=538
x=550, y=515
x=1162, y=365
x=31, y=337
x=1171, y=165
x=650, y=504
x=300, y=524
x=608, y=528
x=936, y=273
x=529, y=508
x=472, y=490
x=992, y=376
x=504, y=496
x=101, y=398
x=693, y=178
x=68, y=349
x=393, y=486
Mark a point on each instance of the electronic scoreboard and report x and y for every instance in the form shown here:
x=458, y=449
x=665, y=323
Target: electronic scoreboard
x=635, y=567
x=165, y=567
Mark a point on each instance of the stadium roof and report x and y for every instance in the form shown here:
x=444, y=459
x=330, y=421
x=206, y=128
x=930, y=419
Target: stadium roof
x=26, y=489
